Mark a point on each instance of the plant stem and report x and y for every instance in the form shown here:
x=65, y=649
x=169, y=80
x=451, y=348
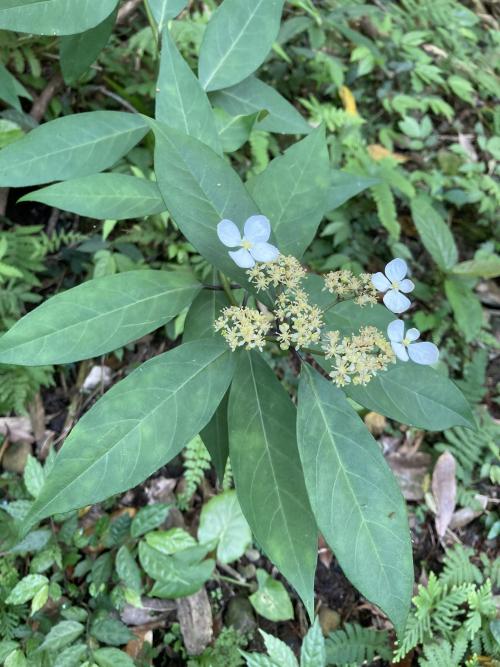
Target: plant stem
x=226, y=286
x=154, y=28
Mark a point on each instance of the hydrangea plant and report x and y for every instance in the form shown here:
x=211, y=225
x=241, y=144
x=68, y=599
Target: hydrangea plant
x=302, y=465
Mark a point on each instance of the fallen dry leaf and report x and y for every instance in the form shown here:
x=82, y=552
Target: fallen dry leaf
x=444, y=490
x=465, y=515
x=134, y=647
x=410, y=472
x=195, y=619
x=152, y=609
x=18, y=429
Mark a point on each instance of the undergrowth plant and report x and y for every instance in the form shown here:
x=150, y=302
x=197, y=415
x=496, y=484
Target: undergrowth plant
x=299, y=467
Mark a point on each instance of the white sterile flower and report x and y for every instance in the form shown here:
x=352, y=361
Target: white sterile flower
x=253, y=245
x=393, y=283
x=405, y=347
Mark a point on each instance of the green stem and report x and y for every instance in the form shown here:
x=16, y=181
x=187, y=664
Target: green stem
x=227, y=289
x=154, y=28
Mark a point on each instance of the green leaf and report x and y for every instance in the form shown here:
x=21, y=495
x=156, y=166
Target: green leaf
x=234, y=131
x=221, y=519
x=345, y=186
x=109, y=630
x=466, y=306
x=127, y=569
x=171, y=541
x=279, y=652
x=8, y=92
x=174, y=576
x=181, y=102
x=355, y=498
x=434, y=232
x=73, y=656
x=267, y=472
x=347, y=317
x=97, y=317
x=6, y=647
x=16, y=659
x=236, y=41
x=103, y=196
x=164, y=10
x=215, y=437
x=415, y=395
x=484, y=267
x=33, y=476
x=202, y=314
x=39, y=599
x=271, y=600
x=78, y=52
x=112, y=657
x=26, y=589
x=200, y=189
x=313, y=650
x=53, y=17
x=137, y=426
x=69, y=147
x=148, y=518
x=62, y=634
x=253, y=95
x=292, y=192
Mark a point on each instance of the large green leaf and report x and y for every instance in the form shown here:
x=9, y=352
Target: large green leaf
x=103, y=196
x=344, y=186
x=466, y=306
x=355, y=498
x=347, y=317
x=415, y=395
x=164, y=10
x=237, y=39
x=253, y=95
x=137, y=426
x=78, y=52
x=181, y=102
x=234, y=131
x=434, y=232
x=8, y=92
x=69, y=147
x=268, y=475
x=293, y=191
x=200, y=189
x=97, y=317
x=215, y=437
x=53, y=17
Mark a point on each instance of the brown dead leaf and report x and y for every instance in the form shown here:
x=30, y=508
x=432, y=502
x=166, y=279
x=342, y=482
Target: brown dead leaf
x=444, y=490
x=195, y=620
x=150, y=611
x=410, y=471
x=465, y=515
x=18, y=429
x=134, y=647
x=378, y=152
x=324, y=553
x=375, y=423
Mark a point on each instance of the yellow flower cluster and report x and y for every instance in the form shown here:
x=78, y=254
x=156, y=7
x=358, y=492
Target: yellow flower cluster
x=285, y=271
x=359, y=357
x=240, y=326
x=346, y=286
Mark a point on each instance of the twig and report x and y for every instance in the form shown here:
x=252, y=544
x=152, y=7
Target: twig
x=42, y=102
x=108, y=93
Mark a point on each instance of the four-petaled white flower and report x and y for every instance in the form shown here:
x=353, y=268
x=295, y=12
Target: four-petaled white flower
x=253, y=245
x=405, y=347
x=393, y=283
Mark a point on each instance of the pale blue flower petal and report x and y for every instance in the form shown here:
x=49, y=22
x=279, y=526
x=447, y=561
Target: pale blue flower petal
x=423, y=353
x=413, y=334
x=396, y=301
x=396, y=331
x=242, y=258
x=380, y=282
x=257, y=229
x=406, y=286
x=228, y=233
x=396, y=270
x=264, y=252
x=400, y=351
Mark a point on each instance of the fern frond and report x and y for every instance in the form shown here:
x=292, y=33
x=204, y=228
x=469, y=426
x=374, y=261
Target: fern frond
x=458, y=568
x=355, y=645
x=19, y=384
x=196, y=461
x=386, y=208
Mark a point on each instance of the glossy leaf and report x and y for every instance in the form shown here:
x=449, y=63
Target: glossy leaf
x=292, y=192
x=103, y=196
x=267, y=472
x=181, y=102
x=222, y=520
x=237, y=39
x=78, y=52
x=137, y=426
x=251, y=96
x=148, y=518
x=164, y=10
x=26, y=589
x=53, y=17
x=97, y=317
x=200, y=189
x=434, y=232
x=415, y=395
x=344, y=186
x=355, y=498
x=170, y=541
x=69, y=147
